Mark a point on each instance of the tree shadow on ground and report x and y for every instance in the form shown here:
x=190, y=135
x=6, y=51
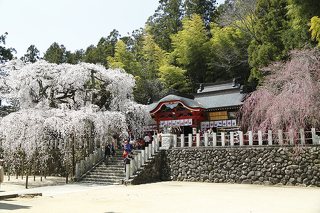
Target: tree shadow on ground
x=9, y=206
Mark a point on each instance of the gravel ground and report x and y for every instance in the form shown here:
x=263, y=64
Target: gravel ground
x=162, y=197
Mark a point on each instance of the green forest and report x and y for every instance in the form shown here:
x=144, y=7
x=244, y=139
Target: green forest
x=185, y=43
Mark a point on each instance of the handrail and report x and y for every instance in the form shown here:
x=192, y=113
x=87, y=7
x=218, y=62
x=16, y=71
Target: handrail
x=88, y=163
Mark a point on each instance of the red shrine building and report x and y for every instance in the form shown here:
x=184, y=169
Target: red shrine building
x=213, y=106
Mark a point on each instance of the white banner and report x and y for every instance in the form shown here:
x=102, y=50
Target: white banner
x=181, y=122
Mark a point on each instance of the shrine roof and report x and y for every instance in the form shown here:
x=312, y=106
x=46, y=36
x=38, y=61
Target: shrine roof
x=211, y=97
x=174, y=98
x=221, y=100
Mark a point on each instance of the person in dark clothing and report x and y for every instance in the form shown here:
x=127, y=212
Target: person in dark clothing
x=112, y=150
x=107, y=152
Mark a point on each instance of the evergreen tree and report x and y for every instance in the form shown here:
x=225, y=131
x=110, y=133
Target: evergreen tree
x=5, y=53
x=204, y=8
x=32, y=54
x=105, y=47
x=55, y=54
x=270, y=27
x=165, y=22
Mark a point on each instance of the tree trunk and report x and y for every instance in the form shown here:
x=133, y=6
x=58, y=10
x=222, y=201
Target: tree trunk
x=27, y=175
x=73, y=159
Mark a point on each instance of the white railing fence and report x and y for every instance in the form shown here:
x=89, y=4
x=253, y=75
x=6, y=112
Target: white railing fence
x=238, y=138
x=86, y=164
x=222, y=139
x=141, y=157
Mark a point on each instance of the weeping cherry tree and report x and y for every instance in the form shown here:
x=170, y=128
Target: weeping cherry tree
x=61, y=108
x=288, y=97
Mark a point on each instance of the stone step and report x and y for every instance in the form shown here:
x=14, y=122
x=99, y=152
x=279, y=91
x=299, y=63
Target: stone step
x=104, y=176
x=110, y=162
x=101, y=183
x=110, y=167
x=106, y=173
x=104, y=179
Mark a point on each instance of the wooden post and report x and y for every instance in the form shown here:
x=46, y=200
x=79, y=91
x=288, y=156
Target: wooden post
x=142, y=157
x=241, y=138
x=198, y=139
x=182, y=140
x=146, y=154
x=223, y=139
x=131, y=168
x=206, y=139
x=314, y=136
x=127, y=171
x=280, y=136
x=250, y=138
x=152, y=148
x=302, y=137
x=175, y=140
x=214, y=139
x=139, y=160
x=155, y=146
x=260, y=137
x=136, y=163
x=291, y=137
x=231, y=138
x=190, y=140
x=269, y=137
x=150, y=151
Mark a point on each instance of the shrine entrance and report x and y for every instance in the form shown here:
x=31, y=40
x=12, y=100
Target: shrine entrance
x=178, y=114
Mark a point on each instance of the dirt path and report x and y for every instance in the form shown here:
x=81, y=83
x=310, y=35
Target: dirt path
x=169, y=197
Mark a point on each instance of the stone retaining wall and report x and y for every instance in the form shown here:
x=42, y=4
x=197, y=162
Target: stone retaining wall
x=151, y=171
x=256, y=165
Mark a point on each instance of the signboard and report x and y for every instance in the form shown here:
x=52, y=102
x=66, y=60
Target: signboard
x=181, y=122
x=223, y=123
x=194, y=131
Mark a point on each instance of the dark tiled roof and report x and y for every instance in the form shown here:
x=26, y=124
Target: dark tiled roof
x=219, y=87
x=219, y=100
x=221, y=95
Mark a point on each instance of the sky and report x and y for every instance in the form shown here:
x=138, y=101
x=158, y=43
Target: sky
x=74, y=23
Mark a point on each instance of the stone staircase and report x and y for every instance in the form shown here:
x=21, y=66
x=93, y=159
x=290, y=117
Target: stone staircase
x=110, y=173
